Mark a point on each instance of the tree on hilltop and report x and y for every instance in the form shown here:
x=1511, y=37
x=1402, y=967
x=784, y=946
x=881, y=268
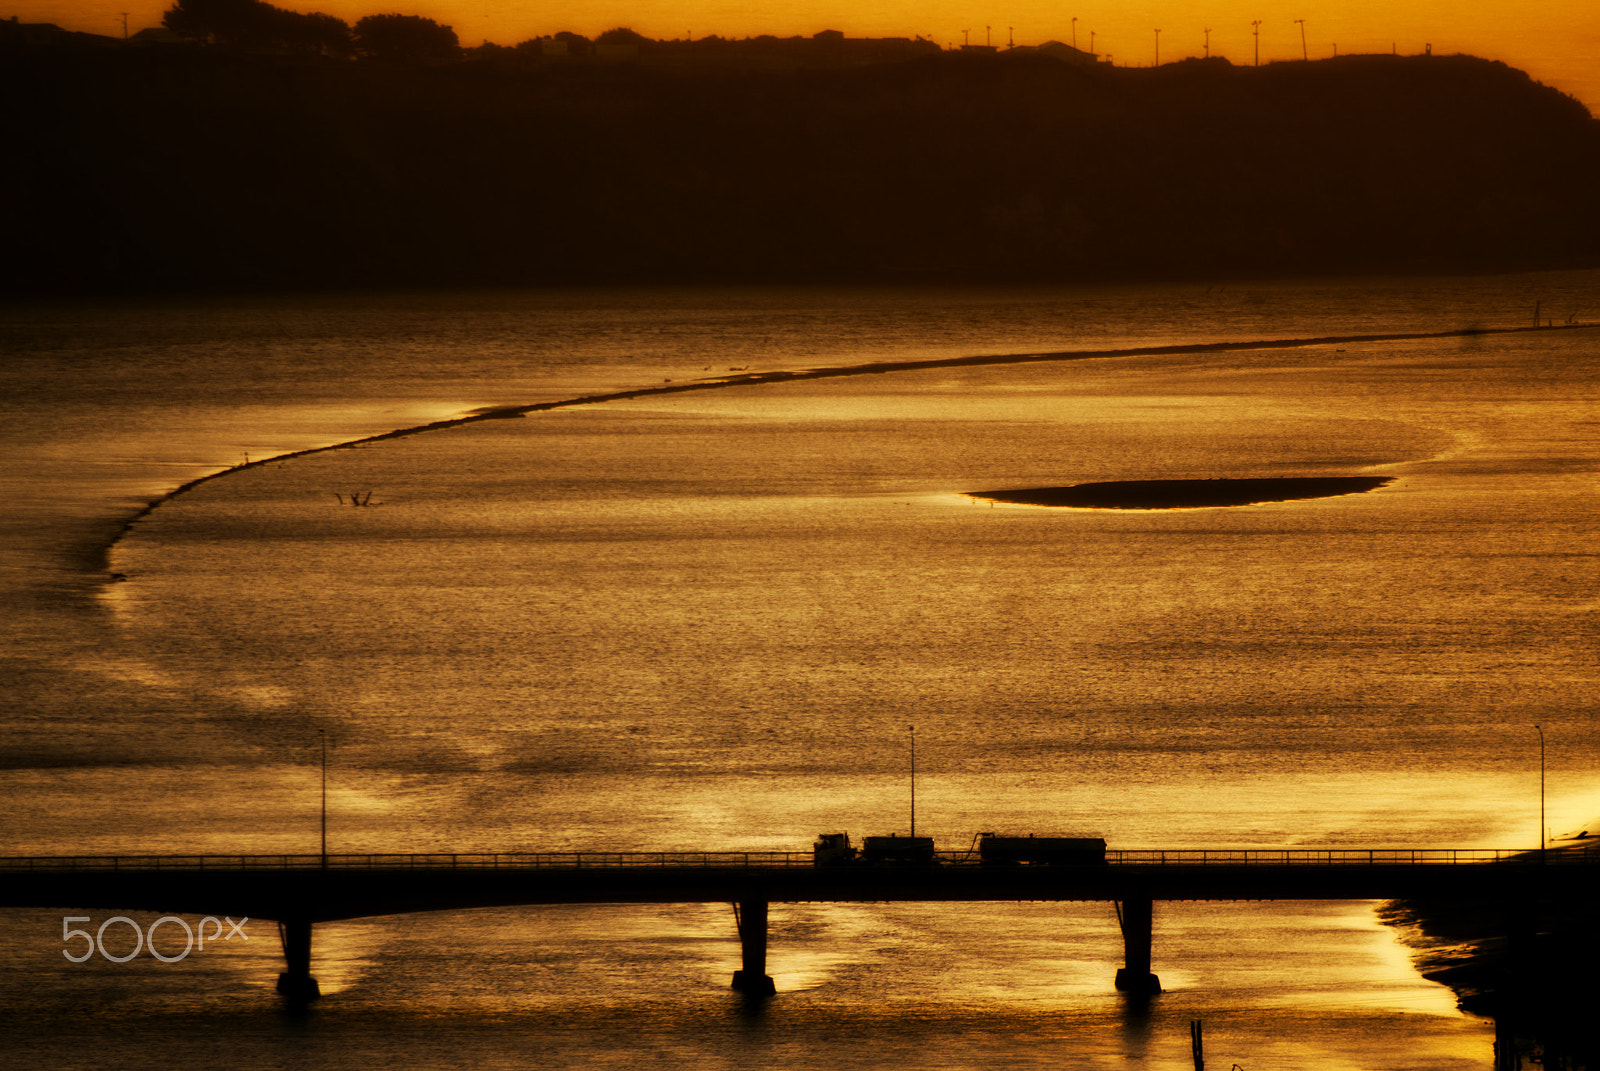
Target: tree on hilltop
x=255, y=24
x=622, y=36
x=327, y=33
x=214, y=22
x=577, y=44
x=405, y=39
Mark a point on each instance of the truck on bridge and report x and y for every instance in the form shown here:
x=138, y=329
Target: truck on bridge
x=995, y=850
x=835, y=849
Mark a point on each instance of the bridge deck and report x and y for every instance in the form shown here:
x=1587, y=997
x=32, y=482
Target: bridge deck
x=355, y=886
x=764, y=860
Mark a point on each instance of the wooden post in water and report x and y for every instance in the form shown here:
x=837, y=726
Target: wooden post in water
x=1138, y=920
x=1197, y=1043
x=296, y=983
x=751, y=978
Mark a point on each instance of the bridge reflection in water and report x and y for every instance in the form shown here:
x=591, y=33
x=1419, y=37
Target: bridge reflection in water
x=299, y=891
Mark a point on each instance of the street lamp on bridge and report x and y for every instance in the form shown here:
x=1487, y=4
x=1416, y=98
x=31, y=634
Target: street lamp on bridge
x=323, y=734
x=1540, y=731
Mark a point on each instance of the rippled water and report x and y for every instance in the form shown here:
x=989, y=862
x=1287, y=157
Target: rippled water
x=705, y=621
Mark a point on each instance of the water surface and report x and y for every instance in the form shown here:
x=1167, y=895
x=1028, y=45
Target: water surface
x=706, y=620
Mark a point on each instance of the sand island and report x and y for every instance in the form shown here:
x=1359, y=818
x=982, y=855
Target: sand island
x=1187, y=494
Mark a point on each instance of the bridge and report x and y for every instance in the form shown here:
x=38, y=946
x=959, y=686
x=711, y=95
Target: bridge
x=299, y=891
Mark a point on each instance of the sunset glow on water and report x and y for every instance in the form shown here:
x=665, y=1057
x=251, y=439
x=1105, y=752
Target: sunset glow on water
x=822, y=536
x=703, y=621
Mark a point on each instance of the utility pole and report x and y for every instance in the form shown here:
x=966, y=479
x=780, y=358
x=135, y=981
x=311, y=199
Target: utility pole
x=1256, y=29
x=323, y=733
x=1158, y=48
x=1091, y=42
x=1541, y=792
x=913, y=730
x=1208, y=42
x=1303, y=54
x=1074, y=31
x=124, y=25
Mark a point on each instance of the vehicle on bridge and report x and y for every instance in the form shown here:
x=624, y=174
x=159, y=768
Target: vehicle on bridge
x=991, y=849
x=995, y=850
x=834, y=849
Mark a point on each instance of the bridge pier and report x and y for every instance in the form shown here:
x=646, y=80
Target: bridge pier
x=1137, y=918
x=296, y=983
x=751, y=978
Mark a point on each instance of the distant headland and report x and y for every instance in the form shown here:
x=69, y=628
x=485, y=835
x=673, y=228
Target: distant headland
x=1187, y=494
x=184, y=166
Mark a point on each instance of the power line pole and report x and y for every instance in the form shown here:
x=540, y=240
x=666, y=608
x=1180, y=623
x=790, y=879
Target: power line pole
x=323, y=733
x=913, y=730
x=1303, y=54
x=1256, y=29
x=1074, y=31
x=1158, y=48
x=1541, y=792
x=1208, y=42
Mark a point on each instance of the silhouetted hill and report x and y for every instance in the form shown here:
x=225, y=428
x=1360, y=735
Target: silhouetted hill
x=191, y=167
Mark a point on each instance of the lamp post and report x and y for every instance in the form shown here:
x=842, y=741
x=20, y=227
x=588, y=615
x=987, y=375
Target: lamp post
x=913, y=730
x=323, y=733
x=1540, y=731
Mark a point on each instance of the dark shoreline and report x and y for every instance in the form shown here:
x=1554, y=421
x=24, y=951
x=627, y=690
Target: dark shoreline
x=1524, y=965
x=1187, y=494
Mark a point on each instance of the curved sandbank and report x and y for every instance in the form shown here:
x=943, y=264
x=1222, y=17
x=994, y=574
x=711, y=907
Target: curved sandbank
x=511, y=412
x=1187, y=494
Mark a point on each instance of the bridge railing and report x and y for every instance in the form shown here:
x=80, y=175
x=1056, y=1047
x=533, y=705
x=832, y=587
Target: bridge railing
x=1246, y=857
x=1345, y=856
x=408, y=861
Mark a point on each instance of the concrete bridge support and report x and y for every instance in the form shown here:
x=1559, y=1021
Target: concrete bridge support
x=1137, y=918
x=751, y=978
x=296, y=983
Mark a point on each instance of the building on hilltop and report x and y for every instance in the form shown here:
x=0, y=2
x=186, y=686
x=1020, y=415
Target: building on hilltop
x=1063, y=52
x=16, y=33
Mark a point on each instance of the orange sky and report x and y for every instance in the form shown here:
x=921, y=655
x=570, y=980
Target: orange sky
x=1556, y=41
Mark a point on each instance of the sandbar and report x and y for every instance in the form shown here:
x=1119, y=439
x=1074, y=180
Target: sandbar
x=1187, y=494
